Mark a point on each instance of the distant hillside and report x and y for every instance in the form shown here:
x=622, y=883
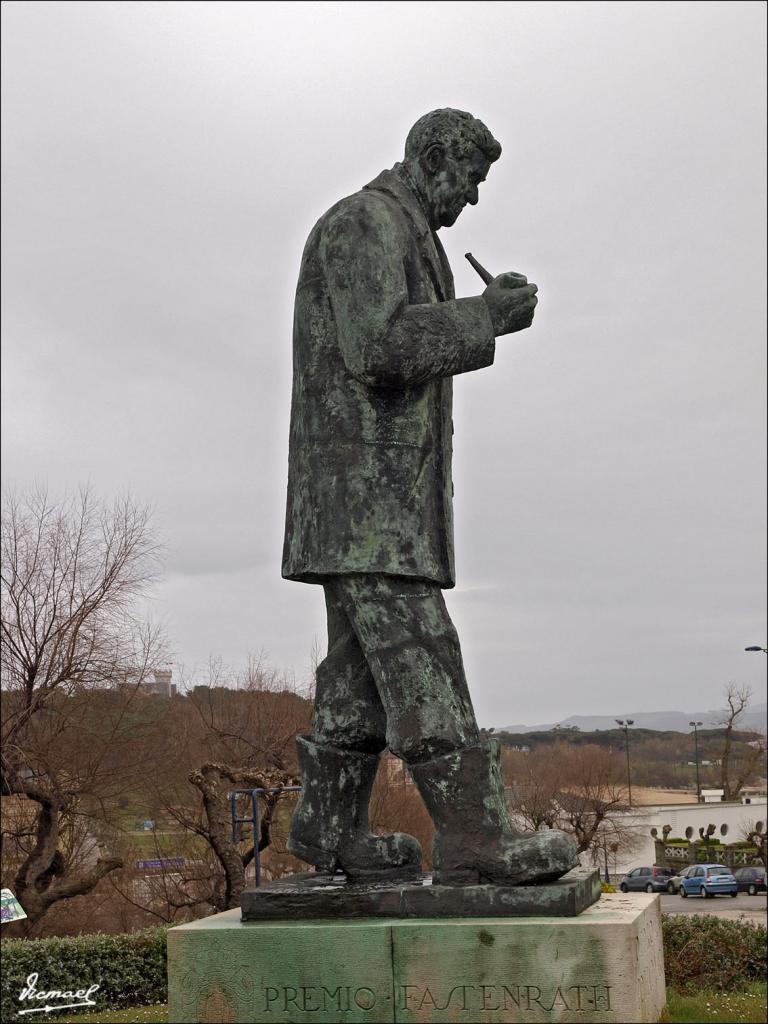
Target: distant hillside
x=754, y=719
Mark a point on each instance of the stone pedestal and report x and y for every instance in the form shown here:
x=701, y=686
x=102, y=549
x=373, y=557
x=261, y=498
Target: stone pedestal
x=604, y=965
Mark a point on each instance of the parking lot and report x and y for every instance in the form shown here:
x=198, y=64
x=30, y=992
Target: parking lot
x=752, y=907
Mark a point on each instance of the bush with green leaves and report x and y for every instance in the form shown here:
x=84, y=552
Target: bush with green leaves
x=708, y=952
x=129, y=969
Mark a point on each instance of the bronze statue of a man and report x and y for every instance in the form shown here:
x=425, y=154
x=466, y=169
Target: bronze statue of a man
x=378, y=337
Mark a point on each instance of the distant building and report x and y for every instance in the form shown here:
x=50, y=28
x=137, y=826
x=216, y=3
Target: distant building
x=158, y=682
x=751, y=794
x=161, y=685
x=730, y=819
x=712, y=796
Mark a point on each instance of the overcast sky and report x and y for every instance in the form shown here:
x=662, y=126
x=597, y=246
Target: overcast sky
x=163, y=165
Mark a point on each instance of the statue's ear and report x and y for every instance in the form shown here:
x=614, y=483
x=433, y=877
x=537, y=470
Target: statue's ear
x=432, y=158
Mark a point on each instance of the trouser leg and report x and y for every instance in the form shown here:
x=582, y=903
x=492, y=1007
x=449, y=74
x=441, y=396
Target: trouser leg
x=338, y=765
x=412, y=650
x=348, y=711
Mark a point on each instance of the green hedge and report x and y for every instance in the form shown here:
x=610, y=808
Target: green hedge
x=129, y=969
x=708, y=952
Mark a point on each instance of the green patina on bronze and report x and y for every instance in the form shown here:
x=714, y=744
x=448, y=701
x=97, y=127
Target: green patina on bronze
x=378, y=337
x=314, y=895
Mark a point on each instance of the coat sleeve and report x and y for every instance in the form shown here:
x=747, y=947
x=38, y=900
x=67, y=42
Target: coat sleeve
x=385, y=342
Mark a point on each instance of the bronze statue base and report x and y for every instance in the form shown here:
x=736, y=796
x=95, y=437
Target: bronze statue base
x=331, y=896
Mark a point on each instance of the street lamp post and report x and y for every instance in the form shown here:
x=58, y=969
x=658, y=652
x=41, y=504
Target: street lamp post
x=696, y=745
x=605, y=852
x=625, y=724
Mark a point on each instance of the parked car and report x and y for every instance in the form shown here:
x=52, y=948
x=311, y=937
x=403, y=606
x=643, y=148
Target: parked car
x=709, y=880
x=751, y=880
x=673, y=885
x=653, y=879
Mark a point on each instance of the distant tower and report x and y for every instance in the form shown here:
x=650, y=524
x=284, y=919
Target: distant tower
x=162, y=684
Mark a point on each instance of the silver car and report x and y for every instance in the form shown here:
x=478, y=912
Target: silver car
x=673, y=885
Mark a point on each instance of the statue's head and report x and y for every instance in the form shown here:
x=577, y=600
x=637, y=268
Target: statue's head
x=448, y=154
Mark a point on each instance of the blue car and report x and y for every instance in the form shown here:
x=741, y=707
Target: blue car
x=708, y=880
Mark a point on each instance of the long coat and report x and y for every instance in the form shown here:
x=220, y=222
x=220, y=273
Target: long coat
x=377, y=337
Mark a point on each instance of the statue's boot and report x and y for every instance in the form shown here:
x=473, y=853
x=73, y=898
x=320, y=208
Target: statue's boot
x=330, y=826
x=474, y=838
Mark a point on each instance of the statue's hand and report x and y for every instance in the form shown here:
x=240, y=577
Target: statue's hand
x=511, y=302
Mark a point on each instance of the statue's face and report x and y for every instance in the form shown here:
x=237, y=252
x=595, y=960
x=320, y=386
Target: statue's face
x=452, y=182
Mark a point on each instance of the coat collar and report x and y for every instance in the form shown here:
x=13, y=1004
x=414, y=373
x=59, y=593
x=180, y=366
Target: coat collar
x=398, y=184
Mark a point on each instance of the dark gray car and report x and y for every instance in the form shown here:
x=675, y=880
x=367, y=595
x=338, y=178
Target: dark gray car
x=750, y=879
x=653, y=879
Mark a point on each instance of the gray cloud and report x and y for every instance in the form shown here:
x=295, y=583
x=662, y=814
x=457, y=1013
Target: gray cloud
x=163, y=164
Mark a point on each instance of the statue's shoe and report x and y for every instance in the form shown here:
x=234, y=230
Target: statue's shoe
x=330, y=829
x=504, y=859
x=364, y=857
x=475, y=840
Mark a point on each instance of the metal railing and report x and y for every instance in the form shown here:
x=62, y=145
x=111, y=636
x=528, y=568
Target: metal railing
x=254, y=819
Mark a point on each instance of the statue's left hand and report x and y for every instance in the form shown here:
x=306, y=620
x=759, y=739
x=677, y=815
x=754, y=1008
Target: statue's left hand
x=511, y=302
x=511, y=279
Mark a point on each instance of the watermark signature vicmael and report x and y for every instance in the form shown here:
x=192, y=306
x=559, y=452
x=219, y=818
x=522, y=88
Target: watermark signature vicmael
x=32, y=992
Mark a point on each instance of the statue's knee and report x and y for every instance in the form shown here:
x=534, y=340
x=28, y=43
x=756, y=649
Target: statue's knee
x=418, y=749
x=349, y=732
x=419, y=738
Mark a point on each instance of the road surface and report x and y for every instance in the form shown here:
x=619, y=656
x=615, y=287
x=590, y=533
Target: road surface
x=753, y=908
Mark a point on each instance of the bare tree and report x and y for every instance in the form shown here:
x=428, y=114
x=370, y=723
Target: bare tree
x=72, y=573
x=735, y=772
x=236, y=732
x=754, y=832
x=592, y=789
x=534, y=780
x=577, y=788
x=215, y=782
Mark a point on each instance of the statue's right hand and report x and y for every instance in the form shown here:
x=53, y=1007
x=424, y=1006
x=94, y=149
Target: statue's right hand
x=511, y=302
